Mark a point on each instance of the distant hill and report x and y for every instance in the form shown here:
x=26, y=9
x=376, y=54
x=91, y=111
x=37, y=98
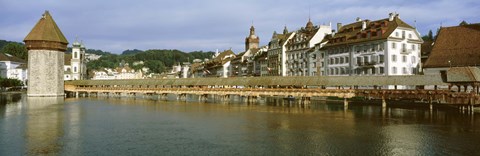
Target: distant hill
x=130, y=52
x=92, y=51
x=5, y=42
x=157, y=60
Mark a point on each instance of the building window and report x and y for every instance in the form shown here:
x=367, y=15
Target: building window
x=394, y=45
x=346, y=60
x=381, y=70
x=366, y=59
x=404, y=70
x=409, y=35
x=413, y=47
x=74, y=69
x=404, y=59
x=381, y=58
x=396, y=34
x=394, y=58
x=394, y=70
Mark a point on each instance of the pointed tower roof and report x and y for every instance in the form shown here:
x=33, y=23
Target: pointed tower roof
x=46, y=30
x=285, y=30
x=309, y=25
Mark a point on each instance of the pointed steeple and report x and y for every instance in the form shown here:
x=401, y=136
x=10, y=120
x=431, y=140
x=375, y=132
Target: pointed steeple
x=309, y=25
x=285, y=30
x=252, y=41
x=252, y=30
x=46, y=31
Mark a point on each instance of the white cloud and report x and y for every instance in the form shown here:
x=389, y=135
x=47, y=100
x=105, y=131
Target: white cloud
x=210, y=24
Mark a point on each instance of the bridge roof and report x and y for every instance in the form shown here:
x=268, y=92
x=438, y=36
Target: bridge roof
x=274, y=80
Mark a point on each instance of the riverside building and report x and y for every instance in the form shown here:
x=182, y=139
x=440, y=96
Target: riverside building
x=297, y=48
x=383, y=47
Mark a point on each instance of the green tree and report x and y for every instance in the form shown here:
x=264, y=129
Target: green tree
x=16, y=49
x=463, y=23
x=8, y=82
x=155, y=66
x=429, y=36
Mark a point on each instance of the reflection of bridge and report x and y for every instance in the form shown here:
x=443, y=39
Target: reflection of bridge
x=370, y=87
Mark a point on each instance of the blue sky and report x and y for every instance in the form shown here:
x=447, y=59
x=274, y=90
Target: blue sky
x=188, y=25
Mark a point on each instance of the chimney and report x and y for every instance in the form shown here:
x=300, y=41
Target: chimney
x=358, y=19
x=339, y=26
x=390, y=17
x=364, y=25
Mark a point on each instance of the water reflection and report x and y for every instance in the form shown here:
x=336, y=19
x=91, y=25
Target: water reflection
x=44, y=125
x=126, y=126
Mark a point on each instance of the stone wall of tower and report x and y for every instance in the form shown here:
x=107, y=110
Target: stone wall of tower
x=45, y=77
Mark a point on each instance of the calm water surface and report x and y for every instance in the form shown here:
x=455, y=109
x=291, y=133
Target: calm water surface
x=121, y=126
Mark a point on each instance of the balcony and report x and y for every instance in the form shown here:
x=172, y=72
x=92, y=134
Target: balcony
x=405, y=51
x=367, y=64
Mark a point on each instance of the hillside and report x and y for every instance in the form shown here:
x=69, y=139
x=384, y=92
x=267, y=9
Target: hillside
x=157, y=60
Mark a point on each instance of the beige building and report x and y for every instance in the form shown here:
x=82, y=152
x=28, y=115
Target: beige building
x=298, y=48
x=277, y=57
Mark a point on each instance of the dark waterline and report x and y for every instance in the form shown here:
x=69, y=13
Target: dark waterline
x=126, y=126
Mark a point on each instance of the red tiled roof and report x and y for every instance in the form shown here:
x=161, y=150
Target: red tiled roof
x=353, y=33
x=456, y=46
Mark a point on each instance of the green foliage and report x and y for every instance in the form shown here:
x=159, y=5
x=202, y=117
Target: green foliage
x=130, y=52
x=7, y=82
x=429, y=36
x=155, y=66
x=92, y=51
x=156, y=60
x=16, y=49
x=463, y=23
x=3, y=43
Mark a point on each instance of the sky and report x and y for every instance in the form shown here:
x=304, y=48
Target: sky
x=207, y=25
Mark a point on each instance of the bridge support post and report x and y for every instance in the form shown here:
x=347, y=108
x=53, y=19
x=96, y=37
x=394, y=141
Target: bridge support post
x=76, y=94
x=345, y=103
x=384, y=102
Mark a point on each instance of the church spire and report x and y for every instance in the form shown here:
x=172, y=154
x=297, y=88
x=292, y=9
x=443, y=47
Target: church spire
x=252, y=30
x=309, y=25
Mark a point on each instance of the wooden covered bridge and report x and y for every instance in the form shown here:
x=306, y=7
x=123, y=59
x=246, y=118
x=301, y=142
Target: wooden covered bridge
x=456, y=87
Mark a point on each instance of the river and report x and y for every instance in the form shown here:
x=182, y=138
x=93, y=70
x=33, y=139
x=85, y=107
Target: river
x=136, y=126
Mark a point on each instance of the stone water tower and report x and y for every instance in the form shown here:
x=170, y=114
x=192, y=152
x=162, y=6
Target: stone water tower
x=46, y=46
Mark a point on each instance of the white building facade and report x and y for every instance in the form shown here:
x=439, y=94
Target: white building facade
x=76, y=67
x=13, y=68
x=383, y=47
